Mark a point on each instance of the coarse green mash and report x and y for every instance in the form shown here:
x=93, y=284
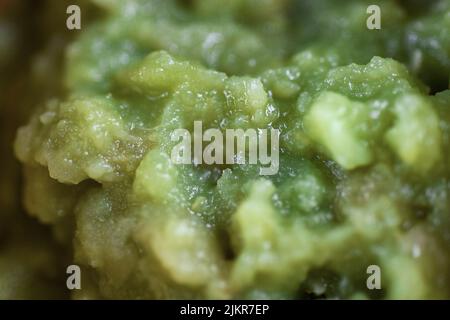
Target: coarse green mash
x=364, y=174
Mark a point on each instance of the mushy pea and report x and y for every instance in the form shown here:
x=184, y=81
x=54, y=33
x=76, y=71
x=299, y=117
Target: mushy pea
x=364, y=164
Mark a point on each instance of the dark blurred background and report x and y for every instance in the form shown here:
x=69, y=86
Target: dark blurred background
x=33, y=36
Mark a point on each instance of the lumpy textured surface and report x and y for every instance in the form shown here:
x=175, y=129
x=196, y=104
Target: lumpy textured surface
x=364, y=175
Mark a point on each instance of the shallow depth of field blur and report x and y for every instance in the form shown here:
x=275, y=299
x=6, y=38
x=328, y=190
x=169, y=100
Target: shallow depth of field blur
x=373, y=197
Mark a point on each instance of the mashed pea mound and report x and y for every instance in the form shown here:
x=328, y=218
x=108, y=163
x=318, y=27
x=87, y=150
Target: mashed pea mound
x=364, y=168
